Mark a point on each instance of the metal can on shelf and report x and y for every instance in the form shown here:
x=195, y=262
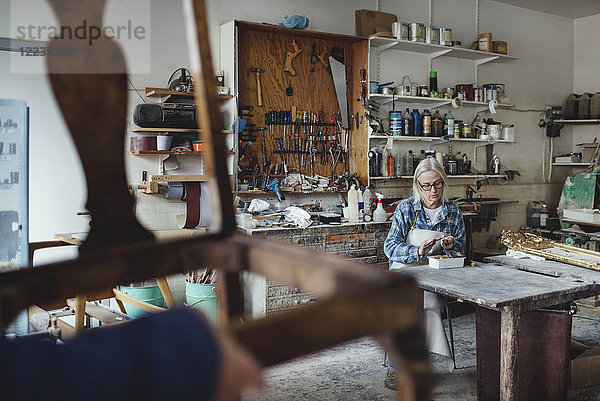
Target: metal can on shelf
x=446, y=36
x=400, y=30
x=432, y=35
x=417, y=32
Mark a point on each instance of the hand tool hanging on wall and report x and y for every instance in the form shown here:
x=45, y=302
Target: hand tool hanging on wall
x=258, y=71
x=338, y=73
x=324, y=57
x=290, y=55
x=313, y=57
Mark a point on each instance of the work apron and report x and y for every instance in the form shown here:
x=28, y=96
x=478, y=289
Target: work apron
x=437, y=341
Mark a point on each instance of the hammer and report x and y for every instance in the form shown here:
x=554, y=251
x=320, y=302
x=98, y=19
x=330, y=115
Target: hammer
x=258, y=71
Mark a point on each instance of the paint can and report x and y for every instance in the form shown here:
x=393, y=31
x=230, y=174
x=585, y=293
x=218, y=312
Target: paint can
x=417, y=32
x=396, y=122
x=446, y=36
x=432, y=35
x=400, y=30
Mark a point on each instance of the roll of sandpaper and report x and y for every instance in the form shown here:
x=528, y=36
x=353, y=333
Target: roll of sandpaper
x=192, y=200
x=174, y=191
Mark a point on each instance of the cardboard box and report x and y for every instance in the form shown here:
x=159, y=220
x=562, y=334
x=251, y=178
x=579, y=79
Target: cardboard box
x=369, y=22
x=499, y=46
x=583, y=215
x=588, y=151
x=485, y=42
x=584, y=369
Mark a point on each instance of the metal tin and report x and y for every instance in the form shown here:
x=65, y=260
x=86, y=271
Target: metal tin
x=423, y=91
x=478, y=95
x=432, y=35
x=400, y=30
x=417, y=32
x=396, y=122
x=446, y=36
x=465, y=131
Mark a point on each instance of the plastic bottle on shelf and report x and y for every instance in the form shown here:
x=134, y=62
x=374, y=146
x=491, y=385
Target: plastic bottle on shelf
x=409, y=167
x=407, y=123
x=544, y=215
x=400, y=165
x=384, y=162
x=361, y=206
x=433, y=84
x=416, y=118
x=437, y=124
x=379, y=214
x=353, y=204
x=449, y=125
x=368, y=201
x=391, y=168
x=426, y=123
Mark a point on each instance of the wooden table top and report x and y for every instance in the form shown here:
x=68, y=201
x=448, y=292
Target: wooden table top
x=494, y=287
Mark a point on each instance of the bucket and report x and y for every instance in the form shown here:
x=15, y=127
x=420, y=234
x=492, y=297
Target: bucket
x=150, y=294
x=163, y=142
x=203, y=297
x=396, y=122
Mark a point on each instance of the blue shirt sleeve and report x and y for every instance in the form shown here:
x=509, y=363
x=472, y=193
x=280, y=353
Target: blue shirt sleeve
x=170, y=355
x=395, y=247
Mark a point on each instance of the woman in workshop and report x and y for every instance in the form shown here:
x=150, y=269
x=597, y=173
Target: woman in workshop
x=426, y=223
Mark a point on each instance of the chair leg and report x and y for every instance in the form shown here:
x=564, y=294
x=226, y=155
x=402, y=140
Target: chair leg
x=449, y=317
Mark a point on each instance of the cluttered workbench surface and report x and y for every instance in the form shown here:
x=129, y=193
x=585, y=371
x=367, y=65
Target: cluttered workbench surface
x=547, y=267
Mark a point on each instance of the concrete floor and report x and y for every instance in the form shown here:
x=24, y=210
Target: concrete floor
x=354, y=371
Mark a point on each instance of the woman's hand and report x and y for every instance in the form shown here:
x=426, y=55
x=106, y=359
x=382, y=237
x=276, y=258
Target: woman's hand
x=426, y=246
x=447, y=242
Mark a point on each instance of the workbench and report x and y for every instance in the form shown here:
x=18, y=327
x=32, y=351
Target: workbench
x=361, y=242
x=511, y=292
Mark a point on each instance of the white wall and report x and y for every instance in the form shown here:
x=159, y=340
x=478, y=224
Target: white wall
x=543, y=74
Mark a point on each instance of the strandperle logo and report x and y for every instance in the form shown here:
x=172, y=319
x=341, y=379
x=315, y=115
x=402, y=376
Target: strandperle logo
x=39, y=34
x=84, y=31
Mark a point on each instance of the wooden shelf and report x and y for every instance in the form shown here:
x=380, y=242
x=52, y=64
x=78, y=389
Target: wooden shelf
x=161, y=92
x=167, y=152
x=176, y=130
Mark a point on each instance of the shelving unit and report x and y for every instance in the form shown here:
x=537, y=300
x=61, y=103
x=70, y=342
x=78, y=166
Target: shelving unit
x=384, y=44
x=381, y=53
x=468, y=176
x=168, y=152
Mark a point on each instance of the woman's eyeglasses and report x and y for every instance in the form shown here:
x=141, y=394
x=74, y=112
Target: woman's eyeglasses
x=427, y=187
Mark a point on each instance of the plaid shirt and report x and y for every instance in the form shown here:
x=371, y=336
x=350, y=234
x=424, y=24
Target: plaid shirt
x=395, y=248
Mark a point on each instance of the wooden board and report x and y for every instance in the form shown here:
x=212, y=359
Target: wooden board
x=264, y=48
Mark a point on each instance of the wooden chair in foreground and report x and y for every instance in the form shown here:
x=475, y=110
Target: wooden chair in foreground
x=354, y=300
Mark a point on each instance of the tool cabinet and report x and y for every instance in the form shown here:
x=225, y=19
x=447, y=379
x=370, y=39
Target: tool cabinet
x=246, y=47
x=362, y=242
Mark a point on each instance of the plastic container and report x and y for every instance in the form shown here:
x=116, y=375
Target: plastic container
x=445, y=262
x=361, y=206
x=368, y=201
x=203, y=297
x=449, y=125
x=379, y=214
x=544, y=215
x=416, y=117
x=147, y=293
x=353, y=204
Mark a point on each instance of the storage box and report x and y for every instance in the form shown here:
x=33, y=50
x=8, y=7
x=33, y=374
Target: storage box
x=584, y=369
x=499, y=46
x=369, y=22
x=588, y=151
x=485, y=42
x=566, y=159
x=444, y=262
x=583, y=215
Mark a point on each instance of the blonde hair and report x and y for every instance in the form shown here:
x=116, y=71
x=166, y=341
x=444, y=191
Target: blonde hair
x=429, y=164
